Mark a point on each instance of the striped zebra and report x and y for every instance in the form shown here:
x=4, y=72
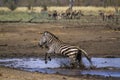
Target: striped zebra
x=55, y=45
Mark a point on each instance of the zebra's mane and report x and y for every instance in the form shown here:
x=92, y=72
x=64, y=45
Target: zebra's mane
x=51, y=35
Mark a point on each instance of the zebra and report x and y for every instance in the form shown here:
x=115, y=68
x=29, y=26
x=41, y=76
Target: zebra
x=57, y=46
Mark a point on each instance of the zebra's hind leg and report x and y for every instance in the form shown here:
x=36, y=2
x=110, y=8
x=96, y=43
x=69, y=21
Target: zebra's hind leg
x=81, y=65
x=79, y=60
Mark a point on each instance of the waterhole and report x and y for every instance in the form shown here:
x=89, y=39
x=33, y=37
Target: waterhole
x=107, y=67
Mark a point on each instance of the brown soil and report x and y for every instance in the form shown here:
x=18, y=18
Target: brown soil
x=21, y=40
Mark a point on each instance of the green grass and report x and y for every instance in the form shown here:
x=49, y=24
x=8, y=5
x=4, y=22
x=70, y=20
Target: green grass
x=25, y=16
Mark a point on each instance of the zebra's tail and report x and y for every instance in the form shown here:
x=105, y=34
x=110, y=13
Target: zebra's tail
x=86, y=55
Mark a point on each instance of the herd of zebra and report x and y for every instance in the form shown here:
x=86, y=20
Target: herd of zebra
x=56, y=46
x=68, y=14
x=77, y=14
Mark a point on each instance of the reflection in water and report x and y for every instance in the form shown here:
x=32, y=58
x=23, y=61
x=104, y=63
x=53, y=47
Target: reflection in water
x=53, y=66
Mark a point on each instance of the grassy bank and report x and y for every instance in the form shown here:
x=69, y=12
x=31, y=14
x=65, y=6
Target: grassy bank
x=22, y=14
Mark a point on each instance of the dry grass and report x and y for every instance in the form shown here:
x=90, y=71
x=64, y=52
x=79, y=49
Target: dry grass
x=25, y=9
x=4, y=9
x=85, y=10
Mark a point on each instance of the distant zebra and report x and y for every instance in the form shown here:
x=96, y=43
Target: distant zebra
x=57, y=46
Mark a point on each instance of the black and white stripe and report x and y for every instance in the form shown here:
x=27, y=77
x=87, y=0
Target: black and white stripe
x=57, y=46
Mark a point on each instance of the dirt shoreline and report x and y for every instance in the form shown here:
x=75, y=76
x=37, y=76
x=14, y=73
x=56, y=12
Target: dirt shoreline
x=15, y=74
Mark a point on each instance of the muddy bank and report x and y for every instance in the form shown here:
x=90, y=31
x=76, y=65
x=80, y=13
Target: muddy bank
x=21, y=39
x=12, y=74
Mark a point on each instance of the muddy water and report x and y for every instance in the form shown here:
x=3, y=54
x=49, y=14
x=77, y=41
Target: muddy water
x=107, y=67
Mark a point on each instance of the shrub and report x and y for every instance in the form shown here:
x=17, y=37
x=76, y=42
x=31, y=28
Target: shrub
x=11, y=5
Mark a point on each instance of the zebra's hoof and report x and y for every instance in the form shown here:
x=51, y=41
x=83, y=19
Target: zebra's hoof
x=45, y=62
x=49, y=58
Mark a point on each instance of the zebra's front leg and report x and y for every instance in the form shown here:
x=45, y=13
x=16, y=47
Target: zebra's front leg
x=46, y=58
x=49, y=57
x=48, y=54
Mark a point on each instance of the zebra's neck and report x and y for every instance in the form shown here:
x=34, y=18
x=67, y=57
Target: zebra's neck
x=53, y=42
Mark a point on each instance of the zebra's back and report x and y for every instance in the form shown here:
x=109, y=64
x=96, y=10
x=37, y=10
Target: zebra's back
x=67, y=50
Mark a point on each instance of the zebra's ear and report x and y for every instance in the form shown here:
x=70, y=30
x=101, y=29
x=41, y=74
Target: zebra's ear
x=46, y=32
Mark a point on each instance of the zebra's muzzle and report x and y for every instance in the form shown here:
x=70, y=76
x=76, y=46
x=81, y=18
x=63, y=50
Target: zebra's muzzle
x=40, y=45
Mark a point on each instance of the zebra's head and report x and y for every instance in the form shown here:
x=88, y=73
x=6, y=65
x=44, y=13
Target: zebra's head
x=47, y=38
x=43, y=40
